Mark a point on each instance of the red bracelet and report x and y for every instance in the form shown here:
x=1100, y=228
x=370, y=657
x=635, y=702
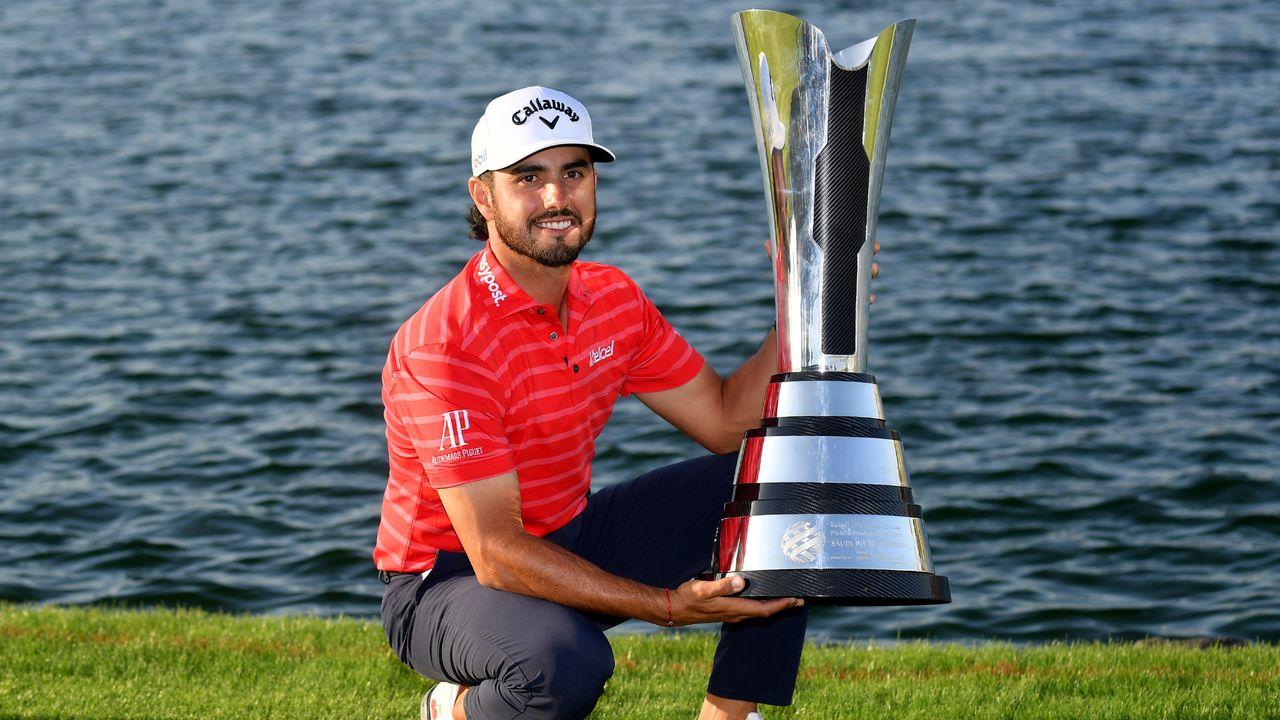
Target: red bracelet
x=670, y=622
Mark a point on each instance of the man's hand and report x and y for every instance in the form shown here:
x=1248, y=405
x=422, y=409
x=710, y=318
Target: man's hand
x=486, y=516
x=704, y=601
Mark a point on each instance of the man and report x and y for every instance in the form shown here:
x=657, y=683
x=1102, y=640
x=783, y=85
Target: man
x=502, y=569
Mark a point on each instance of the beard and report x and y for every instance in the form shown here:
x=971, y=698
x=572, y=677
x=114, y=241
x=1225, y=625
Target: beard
x=520, y=239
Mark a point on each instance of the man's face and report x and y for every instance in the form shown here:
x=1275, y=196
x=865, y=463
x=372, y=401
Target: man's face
x=544, y=207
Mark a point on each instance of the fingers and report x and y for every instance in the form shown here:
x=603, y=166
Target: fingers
x=745, y=608
x=720, y=588
x=770, y=606
x=875, y=271
x=735, y=609
x=713, y=601
x=875, y=248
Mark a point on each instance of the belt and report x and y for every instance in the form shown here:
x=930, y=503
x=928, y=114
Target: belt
x=387, y=576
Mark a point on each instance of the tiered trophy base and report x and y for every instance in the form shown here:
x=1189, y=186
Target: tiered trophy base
x=822, y=508
x=846, y=587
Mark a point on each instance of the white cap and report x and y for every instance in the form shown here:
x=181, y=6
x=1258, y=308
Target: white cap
x=529, y=120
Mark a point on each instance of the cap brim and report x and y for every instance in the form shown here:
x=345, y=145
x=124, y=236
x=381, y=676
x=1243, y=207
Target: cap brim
x=599, y=153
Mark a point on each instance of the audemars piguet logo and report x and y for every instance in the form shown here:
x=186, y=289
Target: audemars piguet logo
x=456, y=422
x=537, y=105
x=453, y=439
x=600, y=352
x=484, y=273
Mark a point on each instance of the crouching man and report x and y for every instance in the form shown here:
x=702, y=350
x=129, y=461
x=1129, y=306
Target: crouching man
x=502, y=568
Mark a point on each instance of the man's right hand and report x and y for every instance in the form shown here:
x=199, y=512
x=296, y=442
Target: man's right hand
x=486, y=516
x=708, y=601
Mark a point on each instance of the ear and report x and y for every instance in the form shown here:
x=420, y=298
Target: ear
x=481, y=196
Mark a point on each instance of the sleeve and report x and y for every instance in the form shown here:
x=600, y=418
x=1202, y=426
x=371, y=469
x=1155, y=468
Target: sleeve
x=664, y=359
x=446, y=404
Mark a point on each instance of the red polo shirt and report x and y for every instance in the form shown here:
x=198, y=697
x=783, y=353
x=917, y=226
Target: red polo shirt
x=483, y=380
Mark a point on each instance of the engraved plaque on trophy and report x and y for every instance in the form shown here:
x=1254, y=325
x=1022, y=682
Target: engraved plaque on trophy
x=822, y=506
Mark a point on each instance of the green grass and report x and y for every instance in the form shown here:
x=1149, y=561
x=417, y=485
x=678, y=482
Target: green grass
x=104, y=663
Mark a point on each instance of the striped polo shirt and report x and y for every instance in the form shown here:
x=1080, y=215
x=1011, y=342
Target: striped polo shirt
x=484, y=380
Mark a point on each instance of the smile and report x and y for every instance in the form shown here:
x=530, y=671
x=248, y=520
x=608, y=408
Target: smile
x=556, y=224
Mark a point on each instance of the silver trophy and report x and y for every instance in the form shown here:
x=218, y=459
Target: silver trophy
x=822, y=506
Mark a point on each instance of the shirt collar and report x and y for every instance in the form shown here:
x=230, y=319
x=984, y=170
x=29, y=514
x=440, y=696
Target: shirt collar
x=493, y=287
x=578, y=290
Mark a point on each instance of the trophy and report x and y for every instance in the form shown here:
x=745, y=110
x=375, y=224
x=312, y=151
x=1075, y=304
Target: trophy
x=822, y=506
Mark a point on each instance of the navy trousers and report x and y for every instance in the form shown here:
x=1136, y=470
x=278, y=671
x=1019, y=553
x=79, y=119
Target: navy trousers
x=531, y=658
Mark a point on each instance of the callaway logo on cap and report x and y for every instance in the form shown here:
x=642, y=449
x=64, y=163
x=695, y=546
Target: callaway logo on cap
x=529, y=120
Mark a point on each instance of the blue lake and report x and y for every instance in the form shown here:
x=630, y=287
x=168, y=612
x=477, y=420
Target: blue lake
x=214, y=215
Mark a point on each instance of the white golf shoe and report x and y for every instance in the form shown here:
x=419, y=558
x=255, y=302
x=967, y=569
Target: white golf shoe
x=438, y=704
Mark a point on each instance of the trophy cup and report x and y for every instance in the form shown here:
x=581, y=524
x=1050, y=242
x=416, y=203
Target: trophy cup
x=822, y=506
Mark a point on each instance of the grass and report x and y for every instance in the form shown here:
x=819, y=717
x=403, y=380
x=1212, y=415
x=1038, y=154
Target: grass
x=111, y=663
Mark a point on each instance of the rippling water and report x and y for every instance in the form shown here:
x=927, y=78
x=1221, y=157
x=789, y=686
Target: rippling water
x=213, y=216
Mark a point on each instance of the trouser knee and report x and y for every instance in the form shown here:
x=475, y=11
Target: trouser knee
x=572, y=678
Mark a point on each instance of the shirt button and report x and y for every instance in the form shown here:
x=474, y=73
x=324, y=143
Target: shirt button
x=542, y=311
x=575, y=368
x=554, y=335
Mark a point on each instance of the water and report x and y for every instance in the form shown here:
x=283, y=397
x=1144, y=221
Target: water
x=213, y=216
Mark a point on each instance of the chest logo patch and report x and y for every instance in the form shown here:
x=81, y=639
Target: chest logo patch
x=599, y=353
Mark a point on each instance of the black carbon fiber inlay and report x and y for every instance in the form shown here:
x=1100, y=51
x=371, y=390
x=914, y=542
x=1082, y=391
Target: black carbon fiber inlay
x=846, y=587
x=824, y=375
x=802, y=505
x=817, y=425
x=842, y=173
x=813, y=431
x=824, y=421
x=823, y=492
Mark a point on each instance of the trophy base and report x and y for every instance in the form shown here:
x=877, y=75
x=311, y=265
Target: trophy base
x=845, y=587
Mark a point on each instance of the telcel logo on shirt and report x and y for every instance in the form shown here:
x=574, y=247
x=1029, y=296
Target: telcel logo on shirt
x=485, y=274
x=600, y=353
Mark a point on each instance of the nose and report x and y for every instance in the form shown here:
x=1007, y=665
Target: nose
x=553, y=195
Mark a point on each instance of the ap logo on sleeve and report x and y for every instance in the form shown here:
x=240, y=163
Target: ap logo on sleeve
x=455, y=422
